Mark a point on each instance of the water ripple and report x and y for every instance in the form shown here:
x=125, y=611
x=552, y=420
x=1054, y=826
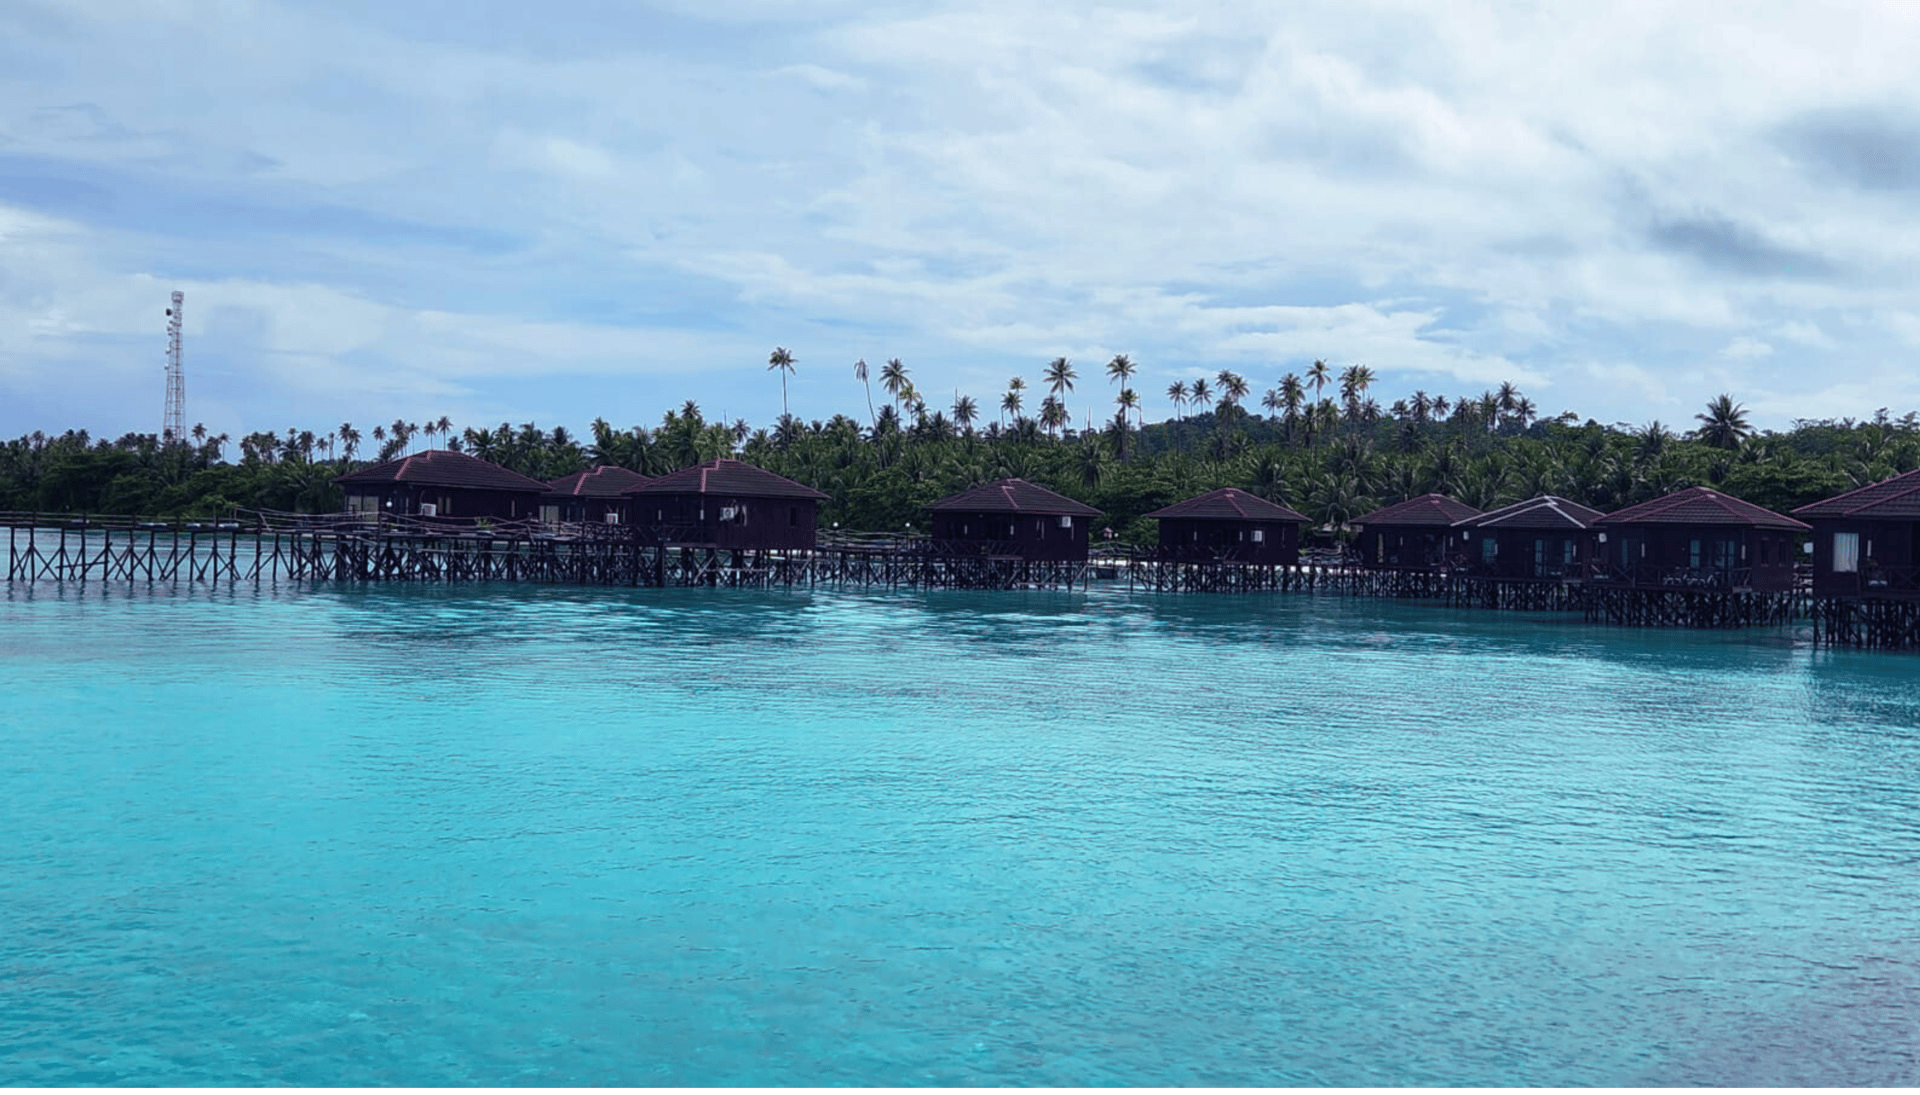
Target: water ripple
x=427, y=836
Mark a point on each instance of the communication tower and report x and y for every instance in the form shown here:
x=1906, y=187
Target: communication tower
x=173, y=429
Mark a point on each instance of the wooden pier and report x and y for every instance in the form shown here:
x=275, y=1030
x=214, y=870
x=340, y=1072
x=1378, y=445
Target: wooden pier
x=350, y=548
x=270, y=547
x=1874, y=623
x=1635, y=606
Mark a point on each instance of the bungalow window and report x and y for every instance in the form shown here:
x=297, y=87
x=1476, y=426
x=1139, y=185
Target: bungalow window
x=1846, y=552
x=550, y=515
x=1259, y=536
x=1566, y=551
x=1489, y=548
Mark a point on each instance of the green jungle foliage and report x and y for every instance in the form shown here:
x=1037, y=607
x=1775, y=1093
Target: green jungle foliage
x=1332, y=459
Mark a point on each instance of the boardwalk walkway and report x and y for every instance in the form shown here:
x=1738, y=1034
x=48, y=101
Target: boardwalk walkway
x=270, y=547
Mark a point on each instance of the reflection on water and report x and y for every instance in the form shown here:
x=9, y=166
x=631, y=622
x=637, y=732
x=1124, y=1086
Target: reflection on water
x=461, y=835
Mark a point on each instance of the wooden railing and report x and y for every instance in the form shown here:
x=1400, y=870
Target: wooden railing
x=1875, y=580
x=95, y=522
x=1645, y=576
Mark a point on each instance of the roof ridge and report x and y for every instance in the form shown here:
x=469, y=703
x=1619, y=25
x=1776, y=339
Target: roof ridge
x=1901, y=493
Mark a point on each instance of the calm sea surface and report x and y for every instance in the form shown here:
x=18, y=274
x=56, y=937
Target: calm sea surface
x=430, y=836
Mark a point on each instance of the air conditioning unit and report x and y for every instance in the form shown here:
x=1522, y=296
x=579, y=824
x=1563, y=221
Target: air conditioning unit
x=613, y=518
x=1259, y=536
x=428, y=509
x=728, y=513
x=1066, y=522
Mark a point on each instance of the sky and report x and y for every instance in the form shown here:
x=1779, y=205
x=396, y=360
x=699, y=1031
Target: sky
x=557, y=211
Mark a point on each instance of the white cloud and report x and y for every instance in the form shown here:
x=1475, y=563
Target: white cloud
x=1746, y=348
x=1465, y=194
x=825, y=79
x=1804, y=333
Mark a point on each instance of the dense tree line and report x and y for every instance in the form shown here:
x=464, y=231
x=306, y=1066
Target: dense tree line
x=1324, y=446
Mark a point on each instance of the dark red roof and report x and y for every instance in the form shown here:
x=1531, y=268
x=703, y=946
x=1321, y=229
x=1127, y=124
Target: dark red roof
x=443, y=468
x=604, y=481
x=1229, y=504
x=729, y=477
x=1426, y=510
x=1700, y=506
x=1545, y=512
x=1014, y=496
x=1896, y=499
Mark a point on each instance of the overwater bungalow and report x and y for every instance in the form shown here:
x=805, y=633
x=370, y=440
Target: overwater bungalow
x=1866, y=542
x=1701, y=539
x=1416, y=534
x=440, y=483
x=1230, y=525
x=729, y=505
x=1013, y=518
x=1545, y=539
x=597, y=495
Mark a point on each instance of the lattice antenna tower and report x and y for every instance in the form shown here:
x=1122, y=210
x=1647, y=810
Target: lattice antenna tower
x=173, y=430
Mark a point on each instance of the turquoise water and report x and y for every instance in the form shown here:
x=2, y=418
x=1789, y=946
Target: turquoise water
x=432, y=836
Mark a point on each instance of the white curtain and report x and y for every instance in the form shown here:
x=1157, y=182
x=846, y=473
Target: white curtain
x=1846, y=552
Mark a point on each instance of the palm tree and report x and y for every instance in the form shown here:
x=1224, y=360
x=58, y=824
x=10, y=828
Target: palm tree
x=1060, y=377
x=1177, y=395
x=860, y=374
x=1233, y=388
x=1318, y=374
x=1121, y=369
x=1422, y=407
x=893, y=377
x=1053, y=414
x=1200, y=393
x=1509, y=397
x=1353, y=388
x=782, y=360
x=1293, y=396
x=1093, y=461
x=443, y=427
x=1524, y=411
x=1724, y=425
x=964, y=410
x=1010, y=402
